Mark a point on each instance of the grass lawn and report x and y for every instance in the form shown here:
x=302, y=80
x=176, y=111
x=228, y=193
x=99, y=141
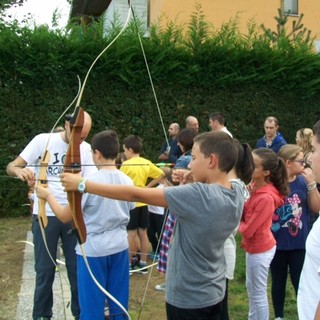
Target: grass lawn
x=13, y=230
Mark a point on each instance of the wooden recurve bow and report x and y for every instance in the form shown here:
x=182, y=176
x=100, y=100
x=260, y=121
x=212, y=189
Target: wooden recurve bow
x=72, y=164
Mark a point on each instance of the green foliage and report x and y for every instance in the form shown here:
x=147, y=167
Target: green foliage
x=298, y=36
x=196, y=69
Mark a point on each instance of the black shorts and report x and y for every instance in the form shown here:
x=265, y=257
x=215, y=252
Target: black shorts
x=211, y=312
x=139, y=218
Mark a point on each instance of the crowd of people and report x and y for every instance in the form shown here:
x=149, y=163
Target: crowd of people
x=186, y=213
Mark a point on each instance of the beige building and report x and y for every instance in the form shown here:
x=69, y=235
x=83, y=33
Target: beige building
x=220, y=11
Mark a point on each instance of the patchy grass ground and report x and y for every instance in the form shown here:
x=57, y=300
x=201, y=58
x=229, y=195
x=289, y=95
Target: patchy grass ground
x=11, y=262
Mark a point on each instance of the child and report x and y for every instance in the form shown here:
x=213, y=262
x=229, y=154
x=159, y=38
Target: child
x=139, y=170
x=268, y=189
x=107, y=243
x=156, y=220
x=242, y=172
x=207, y=211
x=291, y=225
x=185, y=142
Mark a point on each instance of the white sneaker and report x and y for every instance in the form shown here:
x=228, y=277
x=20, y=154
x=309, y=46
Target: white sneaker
x=279, y=318
x=160, y=287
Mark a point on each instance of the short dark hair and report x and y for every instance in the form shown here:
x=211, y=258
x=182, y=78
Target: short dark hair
x=185, y=138
x=220, y=144
x=219, y=117
x=133, y=142
x=107, y=142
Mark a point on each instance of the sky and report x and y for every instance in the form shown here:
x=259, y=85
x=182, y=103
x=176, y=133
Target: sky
x=40, y=12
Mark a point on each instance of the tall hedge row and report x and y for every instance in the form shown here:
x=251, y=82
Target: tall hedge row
x=195, y=70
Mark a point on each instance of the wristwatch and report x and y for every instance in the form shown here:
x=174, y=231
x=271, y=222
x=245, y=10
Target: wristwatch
x=82, y=185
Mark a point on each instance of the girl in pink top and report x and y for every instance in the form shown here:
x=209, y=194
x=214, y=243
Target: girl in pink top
x=268, y=188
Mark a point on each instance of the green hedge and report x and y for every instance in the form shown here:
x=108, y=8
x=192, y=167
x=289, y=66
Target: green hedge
x=196, y=72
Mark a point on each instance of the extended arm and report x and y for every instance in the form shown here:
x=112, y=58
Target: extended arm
x=153, y=196
x=62, y=213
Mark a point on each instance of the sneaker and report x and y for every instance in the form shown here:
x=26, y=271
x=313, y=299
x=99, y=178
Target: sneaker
x=138, y=268
x=152, y=256
x=160, y=287
x=106, y=312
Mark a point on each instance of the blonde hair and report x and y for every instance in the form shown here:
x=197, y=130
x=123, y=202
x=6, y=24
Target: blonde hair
x=304, y=139
x=289, y=151
x=167, y=179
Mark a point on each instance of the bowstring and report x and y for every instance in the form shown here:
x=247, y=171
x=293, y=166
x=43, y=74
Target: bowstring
x=167, y=142
x=77, y=105
x=150, y=77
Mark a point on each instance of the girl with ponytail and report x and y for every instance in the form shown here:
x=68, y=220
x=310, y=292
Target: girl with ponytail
x=267, y=191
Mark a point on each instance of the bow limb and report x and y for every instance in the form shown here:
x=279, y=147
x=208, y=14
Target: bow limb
x=102, y=52
x=42, y=181
x=72, y=164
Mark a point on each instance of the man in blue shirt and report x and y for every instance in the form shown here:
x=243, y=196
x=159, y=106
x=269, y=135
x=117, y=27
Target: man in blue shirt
x=170, y=153
x=272, y=138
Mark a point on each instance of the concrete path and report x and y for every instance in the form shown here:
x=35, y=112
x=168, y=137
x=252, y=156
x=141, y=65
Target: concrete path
x=61, y=292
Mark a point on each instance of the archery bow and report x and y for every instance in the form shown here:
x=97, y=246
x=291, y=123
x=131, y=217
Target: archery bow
x=72, y=164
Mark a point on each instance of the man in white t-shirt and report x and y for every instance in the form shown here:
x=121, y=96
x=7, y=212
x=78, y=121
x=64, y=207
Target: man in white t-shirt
x=217, y=123
x=57, y=145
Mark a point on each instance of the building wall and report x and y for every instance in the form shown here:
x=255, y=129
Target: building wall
x=220, y=11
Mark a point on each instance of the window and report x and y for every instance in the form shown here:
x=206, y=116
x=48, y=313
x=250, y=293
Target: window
x=290, y=7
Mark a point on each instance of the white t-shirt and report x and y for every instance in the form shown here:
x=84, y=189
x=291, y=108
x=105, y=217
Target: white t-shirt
x=156, y=209
x=224, y=129
x=57, y=148
x=309, y=285
x=230, y=245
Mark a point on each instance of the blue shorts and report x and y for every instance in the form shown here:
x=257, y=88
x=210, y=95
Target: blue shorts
x=112, y=272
